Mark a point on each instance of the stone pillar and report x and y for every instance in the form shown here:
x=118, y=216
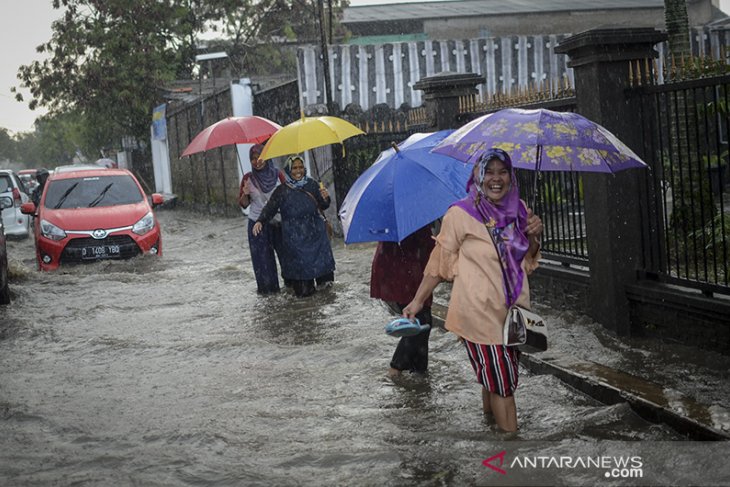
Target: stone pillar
x=613, y=203
x=441, y=96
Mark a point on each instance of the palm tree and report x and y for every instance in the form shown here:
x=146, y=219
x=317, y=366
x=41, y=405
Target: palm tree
x=677, y=24
x=694, y=207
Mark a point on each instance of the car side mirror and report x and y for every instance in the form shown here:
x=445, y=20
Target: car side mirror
x=157, y=199
x=28, y=208
x=5, y=202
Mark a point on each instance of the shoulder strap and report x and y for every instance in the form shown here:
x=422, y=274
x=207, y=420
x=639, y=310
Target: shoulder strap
x=316, y=203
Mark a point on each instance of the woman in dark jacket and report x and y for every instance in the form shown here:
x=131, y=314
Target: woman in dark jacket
x=306, y=252
x=395, y=276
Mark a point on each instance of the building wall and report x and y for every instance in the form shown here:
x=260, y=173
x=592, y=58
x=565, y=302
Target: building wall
x=540, y=24
x=451, y=26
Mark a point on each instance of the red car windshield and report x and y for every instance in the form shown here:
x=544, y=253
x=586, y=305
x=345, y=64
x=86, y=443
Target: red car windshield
x=92, y=191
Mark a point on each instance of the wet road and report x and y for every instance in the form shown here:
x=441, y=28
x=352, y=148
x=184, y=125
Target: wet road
x=173, y=371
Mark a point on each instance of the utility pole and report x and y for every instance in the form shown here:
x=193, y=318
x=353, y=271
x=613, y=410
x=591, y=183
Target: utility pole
x=325, y=58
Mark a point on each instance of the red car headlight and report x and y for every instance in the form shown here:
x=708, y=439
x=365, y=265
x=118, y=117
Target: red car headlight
x=51, y=231
x=145, y=224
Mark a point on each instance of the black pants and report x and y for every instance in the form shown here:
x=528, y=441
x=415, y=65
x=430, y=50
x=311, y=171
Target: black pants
x=307, y=287
x=412, y=352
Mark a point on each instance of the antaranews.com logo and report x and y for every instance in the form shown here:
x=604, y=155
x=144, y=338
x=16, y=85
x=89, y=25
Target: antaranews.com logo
x=609, y=466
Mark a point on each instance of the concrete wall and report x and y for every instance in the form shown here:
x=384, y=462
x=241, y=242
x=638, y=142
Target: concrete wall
x=367, y=75
x=680, y=315
x=386, y=73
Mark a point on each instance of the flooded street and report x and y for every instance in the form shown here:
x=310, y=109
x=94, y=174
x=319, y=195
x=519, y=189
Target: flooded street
x=173, y=371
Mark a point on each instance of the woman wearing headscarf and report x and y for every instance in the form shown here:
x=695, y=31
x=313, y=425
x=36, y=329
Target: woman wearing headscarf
x=395, y=275
x=490, y=224
x=306, y=253
x=257, y=187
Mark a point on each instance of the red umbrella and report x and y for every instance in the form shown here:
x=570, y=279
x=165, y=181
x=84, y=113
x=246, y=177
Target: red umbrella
x=232, y=130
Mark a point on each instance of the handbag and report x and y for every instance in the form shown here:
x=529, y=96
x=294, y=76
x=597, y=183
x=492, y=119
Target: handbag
x=525, y=329
x=521, y=326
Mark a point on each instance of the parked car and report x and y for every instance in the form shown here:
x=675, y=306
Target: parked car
x=15, y=222
x=27, y=177
x=91, y=215
x=5, y=203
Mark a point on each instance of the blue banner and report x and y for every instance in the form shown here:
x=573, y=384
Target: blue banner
x=159, y=122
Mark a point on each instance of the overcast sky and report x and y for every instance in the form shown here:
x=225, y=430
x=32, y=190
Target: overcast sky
x=25, y=24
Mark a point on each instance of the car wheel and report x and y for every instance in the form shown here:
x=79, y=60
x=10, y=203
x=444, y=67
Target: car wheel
x=29, y=227
x=5, y=291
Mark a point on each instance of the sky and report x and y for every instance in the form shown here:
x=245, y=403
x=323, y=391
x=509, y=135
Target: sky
x=25, y=24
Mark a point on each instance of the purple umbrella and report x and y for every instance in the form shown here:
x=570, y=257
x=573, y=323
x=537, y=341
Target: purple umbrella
x=542, y=140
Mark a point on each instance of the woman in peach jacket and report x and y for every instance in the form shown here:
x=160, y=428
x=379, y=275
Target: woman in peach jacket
x=483, y=290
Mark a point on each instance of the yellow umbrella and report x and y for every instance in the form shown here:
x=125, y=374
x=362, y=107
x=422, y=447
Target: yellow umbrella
x=308, y=133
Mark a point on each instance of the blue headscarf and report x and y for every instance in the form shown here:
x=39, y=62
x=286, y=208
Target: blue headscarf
x=293, y=183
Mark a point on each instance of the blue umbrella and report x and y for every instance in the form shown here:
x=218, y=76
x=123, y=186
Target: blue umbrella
x=406, y=188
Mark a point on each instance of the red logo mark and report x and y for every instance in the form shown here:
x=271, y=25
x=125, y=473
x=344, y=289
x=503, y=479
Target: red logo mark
x=500, y=456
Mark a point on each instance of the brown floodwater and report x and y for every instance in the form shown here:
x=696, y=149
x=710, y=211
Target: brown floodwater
x=173, y=371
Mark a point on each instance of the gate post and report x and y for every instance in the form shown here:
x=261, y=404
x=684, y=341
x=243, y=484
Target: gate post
x=441, y=96
x=600, y=59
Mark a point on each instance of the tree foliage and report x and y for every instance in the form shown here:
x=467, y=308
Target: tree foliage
x=54, y=141
x=108, y=59
x=261, y=37
x=7, y=145
x=677, y=23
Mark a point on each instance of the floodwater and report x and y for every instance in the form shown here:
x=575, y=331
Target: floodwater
x=173, y=371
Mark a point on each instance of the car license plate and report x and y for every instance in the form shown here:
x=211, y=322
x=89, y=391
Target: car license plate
x=99, y=251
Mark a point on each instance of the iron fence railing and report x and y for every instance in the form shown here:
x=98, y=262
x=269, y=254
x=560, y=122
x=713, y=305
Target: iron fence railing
x=558, y=200
x=360, y=153
x=687, y=231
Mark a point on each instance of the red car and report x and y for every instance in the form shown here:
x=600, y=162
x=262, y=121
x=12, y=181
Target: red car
x=94, y=214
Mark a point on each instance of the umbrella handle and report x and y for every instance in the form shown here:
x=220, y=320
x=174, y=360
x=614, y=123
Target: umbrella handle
x=240, y=164
x=316, y=168
x=535, y=185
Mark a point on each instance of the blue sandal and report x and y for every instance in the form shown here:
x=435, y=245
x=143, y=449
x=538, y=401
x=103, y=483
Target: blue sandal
x=403, y=327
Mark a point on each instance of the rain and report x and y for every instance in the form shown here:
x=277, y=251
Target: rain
x=172, y=371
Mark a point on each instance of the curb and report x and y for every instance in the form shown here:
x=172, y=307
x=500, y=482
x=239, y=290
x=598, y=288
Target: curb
x=613, y=393
x=610, y=386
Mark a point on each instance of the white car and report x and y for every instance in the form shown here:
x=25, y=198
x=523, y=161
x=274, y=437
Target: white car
x=15, y=223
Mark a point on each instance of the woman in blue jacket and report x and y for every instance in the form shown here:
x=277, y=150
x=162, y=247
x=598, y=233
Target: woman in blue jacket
x=306, y=253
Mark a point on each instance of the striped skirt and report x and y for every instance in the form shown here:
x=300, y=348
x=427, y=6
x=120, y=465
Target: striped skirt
x=496, y=366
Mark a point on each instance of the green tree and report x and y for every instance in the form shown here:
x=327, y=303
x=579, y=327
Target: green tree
x=677, y=24
x=261, y=37
x=107, y=60
x=7, y=145
x=695, y=206
x=54, y=141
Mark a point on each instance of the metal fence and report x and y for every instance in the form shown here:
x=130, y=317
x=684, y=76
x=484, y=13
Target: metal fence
x=556, y=197
x=686, y=133
x=360, y=153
